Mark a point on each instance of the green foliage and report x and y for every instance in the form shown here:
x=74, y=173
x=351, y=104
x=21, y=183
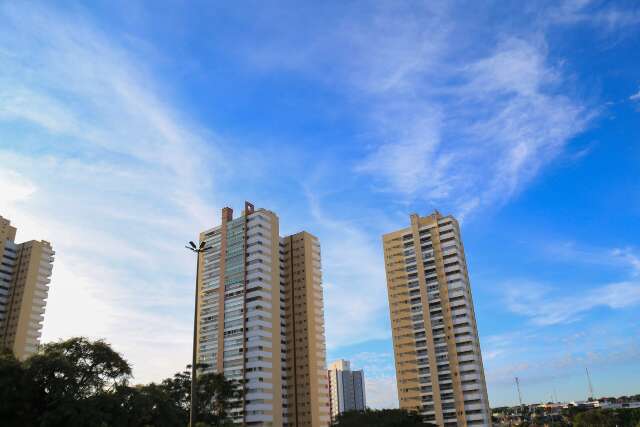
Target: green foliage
x=71, y=382
x=380, y=418
x=216, y=397
x=608, y=417
x=80, y=383
x=13, y=403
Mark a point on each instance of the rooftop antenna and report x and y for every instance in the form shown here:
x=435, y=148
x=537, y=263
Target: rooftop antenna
x=590, y=385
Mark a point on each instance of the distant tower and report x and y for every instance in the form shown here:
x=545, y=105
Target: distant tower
x=346, y=388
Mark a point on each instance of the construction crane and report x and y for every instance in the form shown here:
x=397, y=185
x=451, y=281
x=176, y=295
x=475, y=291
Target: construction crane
x=519, y=394
x=555, y=392
x=590, y=385
x=520, y=399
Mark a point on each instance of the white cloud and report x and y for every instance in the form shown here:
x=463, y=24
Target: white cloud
x=607, y=17
x=356, y=305
x=481, y=140
x=628, y=256
x=635, y=96
x=538, y=303
x=21, y=103
x=569, y=251
x=15, y=187
x=89, y=89
x=381, y=393
x=112, y=175
x=449, y=120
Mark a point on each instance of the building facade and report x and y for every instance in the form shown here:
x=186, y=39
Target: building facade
x=261, y=318
x=25, y=274
x=439, y=367
x=346, y=389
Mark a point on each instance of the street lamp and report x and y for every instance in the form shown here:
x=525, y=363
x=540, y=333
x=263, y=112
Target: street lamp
x=194, y=399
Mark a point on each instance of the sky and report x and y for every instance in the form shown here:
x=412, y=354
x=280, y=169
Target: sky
x=126, y=126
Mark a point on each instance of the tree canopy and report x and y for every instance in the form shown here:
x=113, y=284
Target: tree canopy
x=80, y=383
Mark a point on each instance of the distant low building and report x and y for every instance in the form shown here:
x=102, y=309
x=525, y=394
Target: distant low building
x=584, y=404
x=346, y=388
x=551, y=408
x=620, y=405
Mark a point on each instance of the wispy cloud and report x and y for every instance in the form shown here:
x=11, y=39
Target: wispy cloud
x=635, y=96
x=566, y=326
x=628, y=256
x=481, y=139
x=356, y=301
x=449, y=121
x=542, y=307
x=375, y=364
x=624, y=258
x=105, y=168
x=599, y=14
x=548, y=359
x=62, y=75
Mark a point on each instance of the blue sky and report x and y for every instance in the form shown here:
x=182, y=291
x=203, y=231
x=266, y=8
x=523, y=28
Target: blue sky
x=124, y=128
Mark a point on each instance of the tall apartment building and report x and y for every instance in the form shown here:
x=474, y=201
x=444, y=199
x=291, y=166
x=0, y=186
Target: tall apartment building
x=261, y=318
x=346, y=388
x=437, y=352
x=25, y=274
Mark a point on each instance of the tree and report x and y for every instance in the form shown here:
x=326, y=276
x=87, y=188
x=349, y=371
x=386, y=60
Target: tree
x=216, y=395
x=69, y=382
x=179, y=390
x=80, y=383
x=13, y=399
x=150, y=405
x=379, y=418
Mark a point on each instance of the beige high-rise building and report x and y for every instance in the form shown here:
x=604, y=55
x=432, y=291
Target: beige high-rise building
x=261, y=318
x=25, y=274
x=436, y=347
x=307, y=387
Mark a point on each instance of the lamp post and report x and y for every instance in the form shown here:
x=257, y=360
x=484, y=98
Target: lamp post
x=194, y=397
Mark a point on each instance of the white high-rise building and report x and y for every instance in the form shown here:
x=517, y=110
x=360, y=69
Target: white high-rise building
x=261, y=319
